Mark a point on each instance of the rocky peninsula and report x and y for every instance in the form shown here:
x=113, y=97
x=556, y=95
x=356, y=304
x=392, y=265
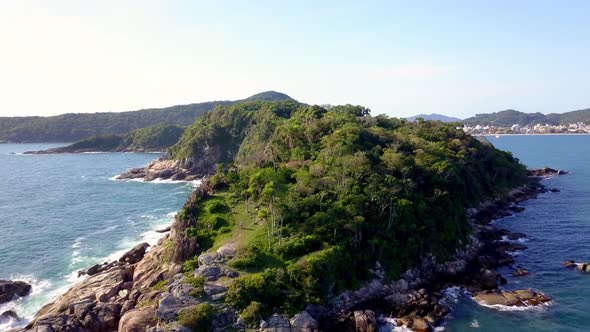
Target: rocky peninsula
x=148, y=291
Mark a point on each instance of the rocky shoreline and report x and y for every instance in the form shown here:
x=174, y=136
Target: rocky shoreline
x=164, y=169
x=147, y=291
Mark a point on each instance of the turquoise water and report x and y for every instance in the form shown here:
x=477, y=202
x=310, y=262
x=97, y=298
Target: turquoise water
x=558, y=228
x=61, y=213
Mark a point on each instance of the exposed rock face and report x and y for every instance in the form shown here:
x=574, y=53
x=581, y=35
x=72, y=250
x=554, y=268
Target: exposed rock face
x=11, y=289
x=303, y=322
x=276, y=323
x=518, y=298
x=365, y=321
x=100, y=302
x=137, y=320
x=546, y=171
x=164, y=168
x=135, y=254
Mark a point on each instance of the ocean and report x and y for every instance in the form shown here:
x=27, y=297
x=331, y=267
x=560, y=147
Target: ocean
x=61, y=213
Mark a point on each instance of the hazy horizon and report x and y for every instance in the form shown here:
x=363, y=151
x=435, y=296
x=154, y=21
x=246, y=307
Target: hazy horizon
x=455, y=58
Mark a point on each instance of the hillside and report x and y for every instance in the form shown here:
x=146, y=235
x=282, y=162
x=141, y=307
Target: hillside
x=75, y=127
x=509, y=117
x=434, y=117
x=154, y=138
x=313, y=198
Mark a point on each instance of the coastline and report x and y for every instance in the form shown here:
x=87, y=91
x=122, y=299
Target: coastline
x=421, y=290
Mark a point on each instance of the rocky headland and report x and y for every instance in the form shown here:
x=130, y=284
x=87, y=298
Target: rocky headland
x=146, y=290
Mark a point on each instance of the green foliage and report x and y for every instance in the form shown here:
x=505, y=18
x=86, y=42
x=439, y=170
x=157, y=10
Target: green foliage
x=161, y=285
x=75, y=127
x=509, y=117
x=190, y=265
x=252, y=313
x=197, y=319
x=197, y=282
x=337, y=190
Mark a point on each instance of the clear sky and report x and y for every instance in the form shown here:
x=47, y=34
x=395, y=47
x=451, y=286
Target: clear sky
x=401, y=58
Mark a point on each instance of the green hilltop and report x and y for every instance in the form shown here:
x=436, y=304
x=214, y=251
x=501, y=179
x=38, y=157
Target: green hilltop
x=314, y=198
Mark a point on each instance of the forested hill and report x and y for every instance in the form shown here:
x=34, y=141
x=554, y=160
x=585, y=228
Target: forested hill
x=313, y=198
x=509, y=117
x=74, y=127
x=150, y=139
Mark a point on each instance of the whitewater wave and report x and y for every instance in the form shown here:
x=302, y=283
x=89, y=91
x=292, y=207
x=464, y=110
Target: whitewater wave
x=519, y=240
x=194, y=183
x=25, y=307
x=499, y=307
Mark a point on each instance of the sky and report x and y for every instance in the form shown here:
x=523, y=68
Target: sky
x=400, y=58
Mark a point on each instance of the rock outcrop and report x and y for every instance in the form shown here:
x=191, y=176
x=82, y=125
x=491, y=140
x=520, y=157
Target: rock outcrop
x=517, y=298
x=163, y=168
x=11, y=289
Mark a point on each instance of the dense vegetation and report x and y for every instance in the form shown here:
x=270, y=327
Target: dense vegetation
x=509, y=117
x=154, y=138
x=316, y=197
x=74, y=127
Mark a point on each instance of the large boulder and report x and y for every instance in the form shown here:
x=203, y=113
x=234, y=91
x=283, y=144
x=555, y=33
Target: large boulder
x=211, y=273
x=135, y=254
x=303, y=322
x=137, y=320
x=276, y=323
x=8, y=316
x=517, y=298
x=11, y=289
x=227, y=251
x=365, y=321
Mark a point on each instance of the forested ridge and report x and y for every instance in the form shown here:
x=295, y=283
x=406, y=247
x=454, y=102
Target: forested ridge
x=74, y=127
x=316, y=198
x=155, y=138
x=508, y=118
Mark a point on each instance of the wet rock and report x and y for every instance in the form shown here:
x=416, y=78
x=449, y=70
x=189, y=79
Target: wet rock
x=135, y=254
x=8, y=316
x=520, y=272
x=11, y=289
x=365, y=321
x=488, y=279
x=164, y=230
x=569, y=264
x=545, y=172
x=516, y=298
x=515, y=236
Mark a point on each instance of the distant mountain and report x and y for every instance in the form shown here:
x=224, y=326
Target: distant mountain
x=509, y=117
x=77, y=126
x=434, y=117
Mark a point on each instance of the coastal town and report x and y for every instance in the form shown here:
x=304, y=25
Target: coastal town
x=572, y=128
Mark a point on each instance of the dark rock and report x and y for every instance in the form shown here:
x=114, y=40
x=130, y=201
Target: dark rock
x=164, y=230
x=515, y=236
x=569, y=263
x=8, y=316
x=135, y=254
x=11, y=289
x=545, y=172
x=554, y=190
x=520, y=272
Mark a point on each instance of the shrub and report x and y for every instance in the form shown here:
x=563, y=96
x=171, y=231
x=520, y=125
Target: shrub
x=190, y=265
x=252, y=313
x=197, y=319
x=260, y=287
x=161, y=285
x=250, y=258
x=215, y=206
x=197, y=282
